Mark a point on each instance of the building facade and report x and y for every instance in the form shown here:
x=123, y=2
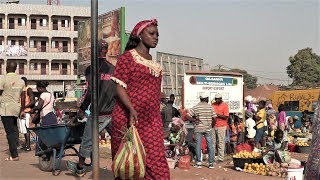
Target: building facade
x=173, y=68
x=42, y=39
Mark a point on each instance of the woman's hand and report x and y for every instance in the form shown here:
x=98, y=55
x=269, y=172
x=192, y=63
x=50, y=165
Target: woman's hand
x=133, y=119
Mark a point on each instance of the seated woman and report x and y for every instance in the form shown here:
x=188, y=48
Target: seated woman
x=176, y=136
x=276, y=149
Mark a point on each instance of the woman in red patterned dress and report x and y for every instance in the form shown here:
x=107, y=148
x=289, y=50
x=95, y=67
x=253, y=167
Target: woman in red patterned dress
x=138, y=81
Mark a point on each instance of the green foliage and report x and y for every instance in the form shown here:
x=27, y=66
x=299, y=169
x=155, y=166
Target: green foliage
x=304, y=68
x=250, y=81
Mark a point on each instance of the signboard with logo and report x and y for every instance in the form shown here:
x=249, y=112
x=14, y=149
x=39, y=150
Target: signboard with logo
x=229, y=85
x=110, y=30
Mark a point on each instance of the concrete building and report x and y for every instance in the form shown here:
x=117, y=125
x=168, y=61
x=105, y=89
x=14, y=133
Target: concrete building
x=42, y=39
x=173, y=67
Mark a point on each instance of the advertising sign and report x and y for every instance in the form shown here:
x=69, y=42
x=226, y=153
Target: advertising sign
x=229, y=86
x=108, y=30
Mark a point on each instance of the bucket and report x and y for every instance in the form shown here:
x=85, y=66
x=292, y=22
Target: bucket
x=292, y=147
x=295, y=174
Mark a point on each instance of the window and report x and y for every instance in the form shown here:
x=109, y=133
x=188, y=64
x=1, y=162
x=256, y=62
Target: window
x=21, y=43
x=76, y=25
x=0, y=23
x=55, y=66
x=180, y=68
x=13, y=42
x=64, y=23
x=165, y=66
x=53, y=44
x=166, y=80
x=33, y=44
x=43, y=22
x=291, y=105
x=180, y=78
x=0, y=42
x=193, y=67
x=173, y=68
x=11, y=23
x=55, y=24
x=187, y=67
x=21, y=22
x=33, y=24
x=33, y=66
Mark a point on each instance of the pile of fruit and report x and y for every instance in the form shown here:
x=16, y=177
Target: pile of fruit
x=302, y=143
x=277, y=169
x=246, y=155
x=255, y=168
x=105, y=143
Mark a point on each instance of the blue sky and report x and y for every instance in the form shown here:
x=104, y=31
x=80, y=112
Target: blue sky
x=258, y=36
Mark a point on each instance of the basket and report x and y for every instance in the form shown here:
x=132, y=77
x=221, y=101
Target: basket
x=303, y=149
x=260, y=160
x=239, y=162
x=292, y=147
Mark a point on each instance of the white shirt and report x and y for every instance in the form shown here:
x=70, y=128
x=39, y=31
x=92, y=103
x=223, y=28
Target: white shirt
x=251, y=132
x=45, y=96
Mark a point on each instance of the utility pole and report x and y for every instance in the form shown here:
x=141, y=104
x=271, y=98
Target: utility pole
x=94, y=86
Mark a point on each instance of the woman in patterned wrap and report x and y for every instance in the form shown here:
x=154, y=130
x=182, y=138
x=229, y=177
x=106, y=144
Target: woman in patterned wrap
x=312, y=171
x=138, y=81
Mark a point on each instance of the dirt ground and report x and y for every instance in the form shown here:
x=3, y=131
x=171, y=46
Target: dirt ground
x=27, y=167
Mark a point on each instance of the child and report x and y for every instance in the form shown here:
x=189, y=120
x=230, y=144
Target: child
x=276, y=150
x=249, y=125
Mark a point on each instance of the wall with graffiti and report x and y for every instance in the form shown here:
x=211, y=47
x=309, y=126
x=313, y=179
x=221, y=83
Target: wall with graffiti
x=298, y=100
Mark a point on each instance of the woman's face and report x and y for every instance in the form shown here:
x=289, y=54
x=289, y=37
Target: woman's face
x=40, y=89
x=279, y=138
x=149, y=36
x=175, y=128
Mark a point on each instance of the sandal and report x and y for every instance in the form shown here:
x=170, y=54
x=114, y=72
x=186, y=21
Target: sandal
x=11, y=159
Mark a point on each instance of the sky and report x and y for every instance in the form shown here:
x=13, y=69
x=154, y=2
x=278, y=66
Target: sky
x=257, y=36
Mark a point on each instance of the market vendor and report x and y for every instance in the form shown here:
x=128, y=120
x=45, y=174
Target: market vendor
x=293, y=124
x=276, y=149
x=177, y=136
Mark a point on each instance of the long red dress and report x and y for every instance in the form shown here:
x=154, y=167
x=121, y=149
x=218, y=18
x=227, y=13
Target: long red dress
x=142, y=80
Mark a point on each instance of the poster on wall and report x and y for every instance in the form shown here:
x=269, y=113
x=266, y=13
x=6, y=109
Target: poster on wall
x=108, y=30
x=229, y=86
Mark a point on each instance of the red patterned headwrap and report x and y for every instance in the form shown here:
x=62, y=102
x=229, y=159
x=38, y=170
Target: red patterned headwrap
x=142, y=25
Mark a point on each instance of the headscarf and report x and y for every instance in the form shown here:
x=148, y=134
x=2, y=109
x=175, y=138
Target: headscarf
x=179, y=122
x=140, y=26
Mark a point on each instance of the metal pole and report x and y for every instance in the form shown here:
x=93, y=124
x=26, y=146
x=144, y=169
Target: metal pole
x=94, y=80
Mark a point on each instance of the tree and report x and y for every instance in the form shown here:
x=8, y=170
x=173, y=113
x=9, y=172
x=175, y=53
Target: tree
x=250, y=81
x=304, y=68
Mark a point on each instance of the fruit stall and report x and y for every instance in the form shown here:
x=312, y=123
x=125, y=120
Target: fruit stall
x=253, y=163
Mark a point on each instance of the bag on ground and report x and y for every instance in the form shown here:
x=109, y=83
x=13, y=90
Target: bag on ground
x=130, y=160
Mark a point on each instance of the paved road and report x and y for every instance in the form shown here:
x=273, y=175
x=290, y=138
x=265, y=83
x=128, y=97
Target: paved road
x=27, y=168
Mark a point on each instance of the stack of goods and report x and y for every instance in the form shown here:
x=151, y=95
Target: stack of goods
x=276, y=169
x=105, y=143
x=246, y=155
x=303, y=147
x=255, y=168
x=243, y=157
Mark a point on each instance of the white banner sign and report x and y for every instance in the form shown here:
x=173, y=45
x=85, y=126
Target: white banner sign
x=230, y=87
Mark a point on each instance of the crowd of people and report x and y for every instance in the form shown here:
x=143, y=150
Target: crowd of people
x=129, y=94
